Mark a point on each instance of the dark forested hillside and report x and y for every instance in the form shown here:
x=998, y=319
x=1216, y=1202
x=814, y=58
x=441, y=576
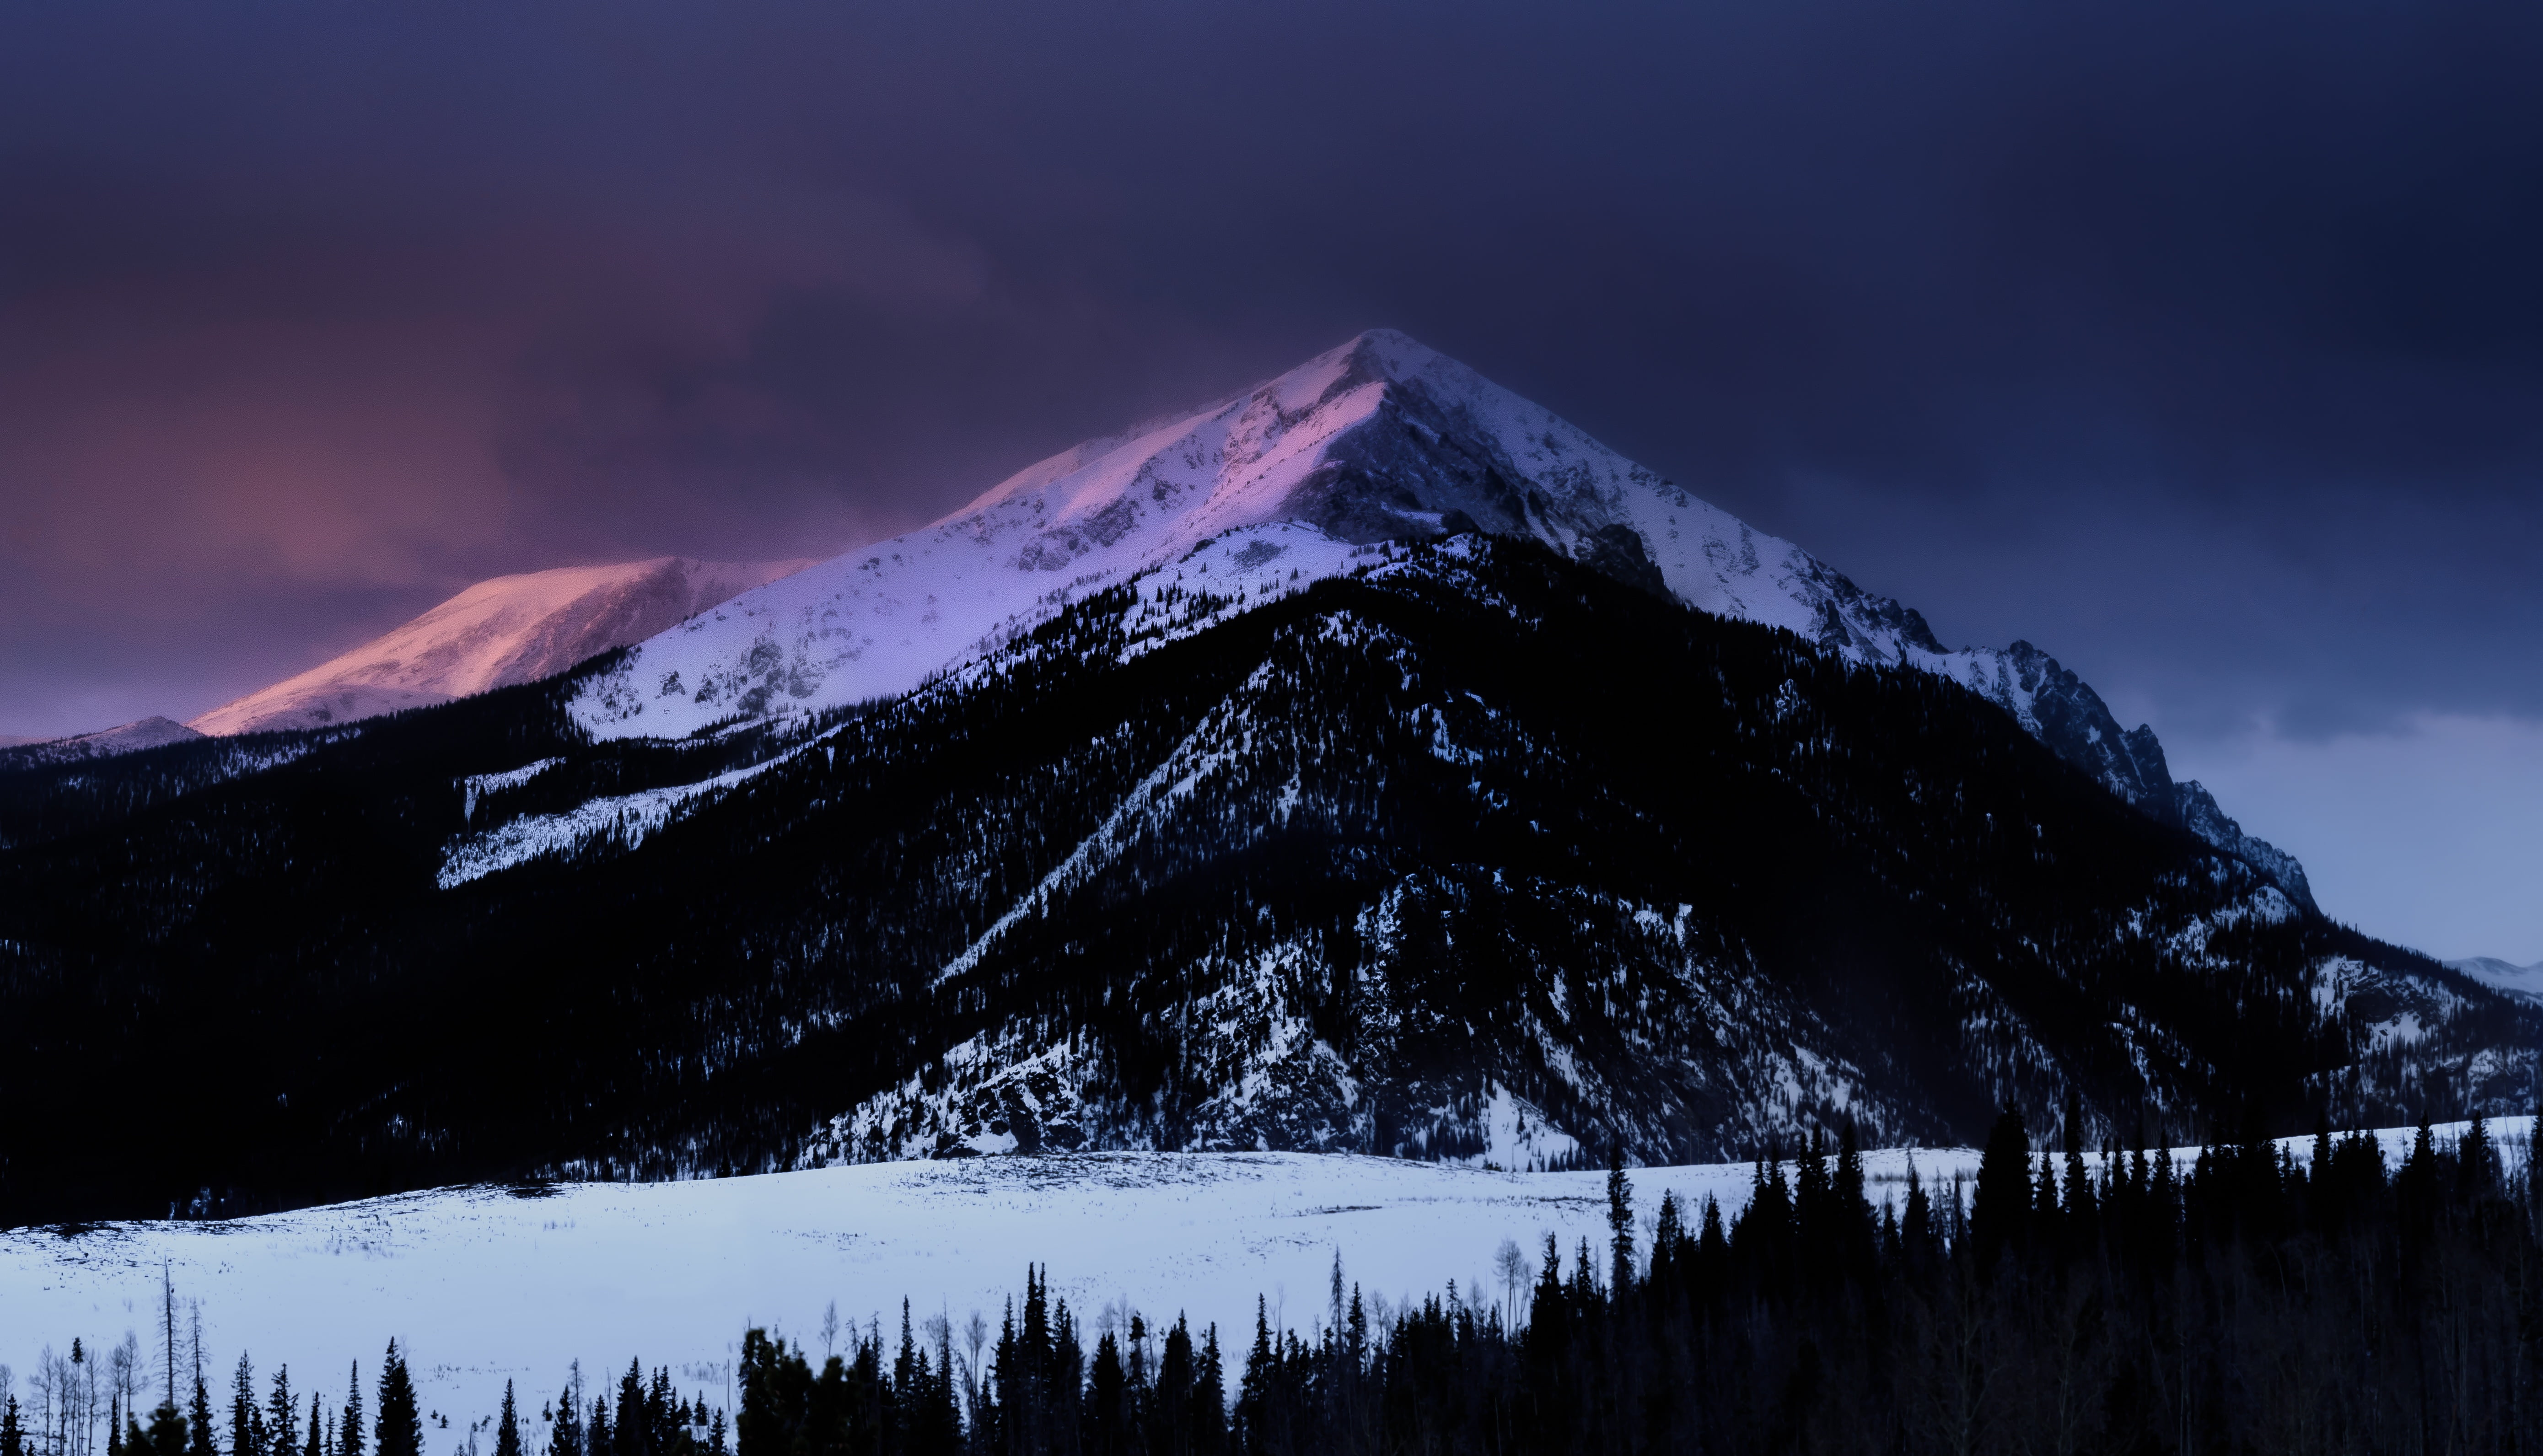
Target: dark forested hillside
x=1479, y=853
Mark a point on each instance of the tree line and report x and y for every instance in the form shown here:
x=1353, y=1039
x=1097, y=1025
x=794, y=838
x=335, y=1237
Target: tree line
x=642, y=1416
x=2251, y=1302
x=2247, y=1301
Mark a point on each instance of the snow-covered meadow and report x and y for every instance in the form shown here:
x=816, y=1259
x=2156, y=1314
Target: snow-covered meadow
x=481, y=1284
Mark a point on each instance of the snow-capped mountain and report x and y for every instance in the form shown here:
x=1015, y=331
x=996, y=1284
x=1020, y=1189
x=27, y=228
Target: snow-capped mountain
x=1381, y=438
x=499, y=632
x=1459, y=845
x=2523, y=981
x=129, y=738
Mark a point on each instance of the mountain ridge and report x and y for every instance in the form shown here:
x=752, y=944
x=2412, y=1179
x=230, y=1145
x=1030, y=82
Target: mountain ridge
x=1379, y=438
x=501, y=631
x=128, y=738
x=1433, y=847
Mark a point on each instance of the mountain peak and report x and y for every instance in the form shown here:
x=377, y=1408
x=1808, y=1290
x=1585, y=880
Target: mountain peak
x=1378, y=438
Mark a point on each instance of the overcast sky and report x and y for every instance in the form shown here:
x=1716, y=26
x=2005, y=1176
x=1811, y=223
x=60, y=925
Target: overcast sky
x=2201, y=345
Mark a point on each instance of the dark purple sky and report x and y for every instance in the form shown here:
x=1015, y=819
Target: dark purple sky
x=2201, y=345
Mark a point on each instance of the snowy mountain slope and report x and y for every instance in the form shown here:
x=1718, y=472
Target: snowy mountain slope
x=499, y=632
x=482, y=1285
x=130, y=737
x=1381, y=438
x=2525, y=981
x=2200, y=816
x=1437, y=848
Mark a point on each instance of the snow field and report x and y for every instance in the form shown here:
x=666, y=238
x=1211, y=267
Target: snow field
x=481, y=1284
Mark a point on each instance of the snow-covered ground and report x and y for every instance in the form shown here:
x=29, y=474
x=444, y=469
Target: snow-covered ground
x=482, y=1285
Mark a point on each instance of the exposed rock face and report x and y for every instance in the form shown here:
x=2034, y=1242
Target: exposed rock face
x=2200, y=817
x=497, y=633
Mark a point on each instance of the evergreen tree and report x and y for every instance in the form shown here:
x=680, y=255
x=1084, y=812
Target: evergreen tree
x=1107, y=1401
x=565, y=1433
x=1620, y=1221
x=1254, y=1388
x=13, y=1435
x=507, y=1426
x=166, y=1434
x=2000, y=1211
x=282, y=1416
x=2476, y=1163
x=629, y=1436
x=199, y=1417
x=247, y=1425
x=397, y=1430
x=317, y=1428
x=349, y=1429
x=1170, y=1421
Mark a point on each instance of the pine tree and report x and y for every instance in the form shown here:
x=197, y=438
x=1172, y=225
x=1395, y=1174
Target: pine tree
x=1107, y=1411
x=628, y=1436
x=13, y=1436
x=507, y=1426
x=349, y=1429
x=2476, y=1163
x=167, y=1434
x=246, y=1427
x=317, y=1428
x=1620, y=1221
x=564, y=1435
x=199, y=1417
x=397, y=1430
x=1254, y=1388
x=2000, y=1211
x=1209, y=1399
x=282, y=1416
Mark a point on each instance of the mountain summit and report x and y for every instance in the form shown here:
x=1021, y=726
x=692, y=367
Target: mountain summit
x=1379, y=439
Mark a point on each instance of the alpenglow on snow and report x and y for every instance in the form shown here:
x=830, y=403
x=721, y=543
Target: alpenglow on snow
x=1381, y=438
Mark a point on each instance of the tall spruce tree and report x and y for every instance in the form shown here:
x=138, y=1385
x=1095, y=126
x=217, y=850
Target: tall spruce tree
x=1620, y=1220
x=397, y=1429
x=628, y=1433
x=282, y=1416
x=564, y=1432
x=247, y=1426
x=2000, y=1210
x=348, y=1427
x=199, y=1417
x=507, y=1426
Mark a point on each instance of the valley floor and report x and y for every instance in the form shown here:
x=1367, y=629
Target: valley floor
x=482, y=1285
